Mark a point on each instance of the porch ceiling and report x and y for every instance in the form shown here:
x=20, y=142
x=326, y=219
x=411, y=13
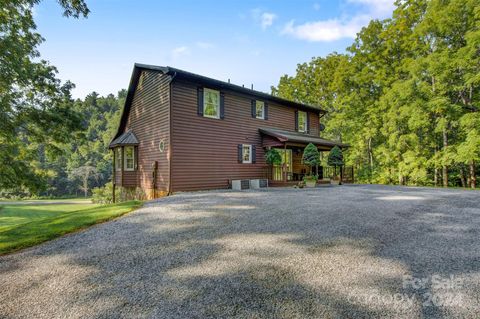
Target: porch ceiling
x=295, y=137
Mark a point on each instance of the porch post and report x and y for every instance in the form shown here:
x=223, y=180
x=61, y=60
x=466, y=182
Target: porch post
x=114, y=179
x=123, y=160
x=285, y=162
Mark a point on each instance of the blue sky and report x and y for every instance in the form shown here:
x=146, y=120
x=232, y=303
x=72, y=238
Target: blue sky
x=249, y=42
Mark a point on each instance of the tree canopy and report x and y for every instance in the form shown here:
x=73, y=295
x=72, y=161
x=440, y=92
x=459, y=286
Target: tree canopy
x=405, y=96
x=36, y=112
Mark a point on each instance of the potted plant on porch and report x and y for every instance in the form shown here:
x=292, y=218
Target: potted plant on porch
x=335, y=159
x=311, y=157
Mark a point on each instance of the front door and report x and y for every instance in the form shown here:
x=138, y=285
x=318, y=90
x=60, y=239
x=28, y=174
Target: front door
x=277, y=169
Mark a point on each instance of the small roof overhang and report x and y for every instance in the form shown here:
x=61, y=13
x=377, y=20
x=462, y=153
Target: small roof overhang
x=299, y=138
x=127, y=138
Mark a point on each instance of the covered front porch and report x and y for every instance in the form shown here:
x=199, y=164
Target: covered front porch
x=290, y=145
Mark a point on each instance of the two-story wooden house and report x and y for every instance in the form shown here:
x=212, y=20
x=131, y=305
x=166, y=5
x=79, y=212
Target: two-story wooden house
x=180, y=131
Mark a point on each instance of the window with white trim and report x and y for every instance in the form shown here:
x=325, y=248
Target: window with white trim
x=129, y=161
x=246, y=153
x=211, y=103
x=118, y=158
x=302, y=122
x=260, y=109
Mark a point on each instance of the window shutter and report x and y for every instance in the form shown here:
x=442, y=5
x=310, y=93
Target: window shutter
x=254, y=109
x=296, y=121
x=254, y=154
x=308, y=123
x=240, y=151
x=222, y=105
x=266, y=111
x=200, y=101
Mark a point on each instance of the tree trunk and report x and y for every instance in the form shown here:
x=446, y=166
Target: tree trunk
x=473, y=178
x=85, y=186
x=462, y=177
x=445, y=167
x=435, y=170
x=370, y=159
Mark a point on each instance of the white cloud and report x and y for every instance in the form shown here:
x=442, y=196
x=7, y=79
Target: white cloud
x=339, y=28
x=204, y=45
x=180, y=51
x=267, y=19
x=326, y=30
x=376, y=7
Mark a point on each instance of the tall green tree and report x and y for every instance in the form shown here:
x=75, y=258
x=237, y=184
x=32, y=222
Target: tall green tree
x=405, y=96
x=35, y=107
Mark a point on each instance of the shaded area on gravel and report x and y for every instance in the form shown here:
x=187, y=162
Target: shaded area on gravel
x=277, y=253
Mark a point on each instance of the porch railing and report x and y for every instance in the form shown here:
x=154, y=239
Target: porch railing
x=345, y=172
x=324, y=172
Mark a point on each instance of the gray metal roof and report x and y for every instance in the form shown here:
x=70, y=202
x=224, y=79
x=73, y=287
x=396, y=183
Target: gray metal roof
x=289, y=136
x=127, y=138
x=177, y=73
x=227, y=85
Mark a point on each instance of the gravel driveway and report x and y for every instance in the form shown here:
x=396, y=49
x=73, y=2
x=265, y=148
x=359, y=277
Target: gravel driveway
x=349, y=251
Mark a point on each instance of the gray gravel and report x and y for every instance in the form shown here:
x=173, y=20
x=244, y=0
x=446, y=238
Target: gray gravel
x=329, y=252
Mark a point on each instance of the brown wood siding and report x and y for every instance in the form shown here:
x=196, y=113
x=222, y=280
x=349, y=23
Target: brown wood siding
x=204, y=151
x=149, y=119
x=118, y=177
x=129, y=179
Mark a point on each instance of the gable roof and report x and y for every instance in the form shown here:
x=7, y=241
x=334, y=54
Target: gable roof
x=288, y=136
x=127, y=138
x=203, y=80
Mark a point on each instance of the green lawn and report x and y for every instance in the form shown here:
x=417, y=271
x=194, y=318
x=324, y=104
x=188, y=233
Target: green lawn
x=30, y=224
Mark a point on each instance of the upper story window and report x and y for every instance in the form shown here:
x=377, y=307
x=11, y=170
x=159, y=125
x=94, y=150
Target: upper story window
x=260, y=110
x=211, y=103
x=302, y=122
x=129, y=161
x=246, y=153
x=118, y=158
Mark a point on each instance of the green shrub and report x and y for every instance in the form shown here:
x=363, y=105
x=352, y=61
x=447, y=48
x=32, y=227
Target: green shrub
x=311, y=156
x=310, y=178
x=103, y=195
x=335, y=157
x=273, y=157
